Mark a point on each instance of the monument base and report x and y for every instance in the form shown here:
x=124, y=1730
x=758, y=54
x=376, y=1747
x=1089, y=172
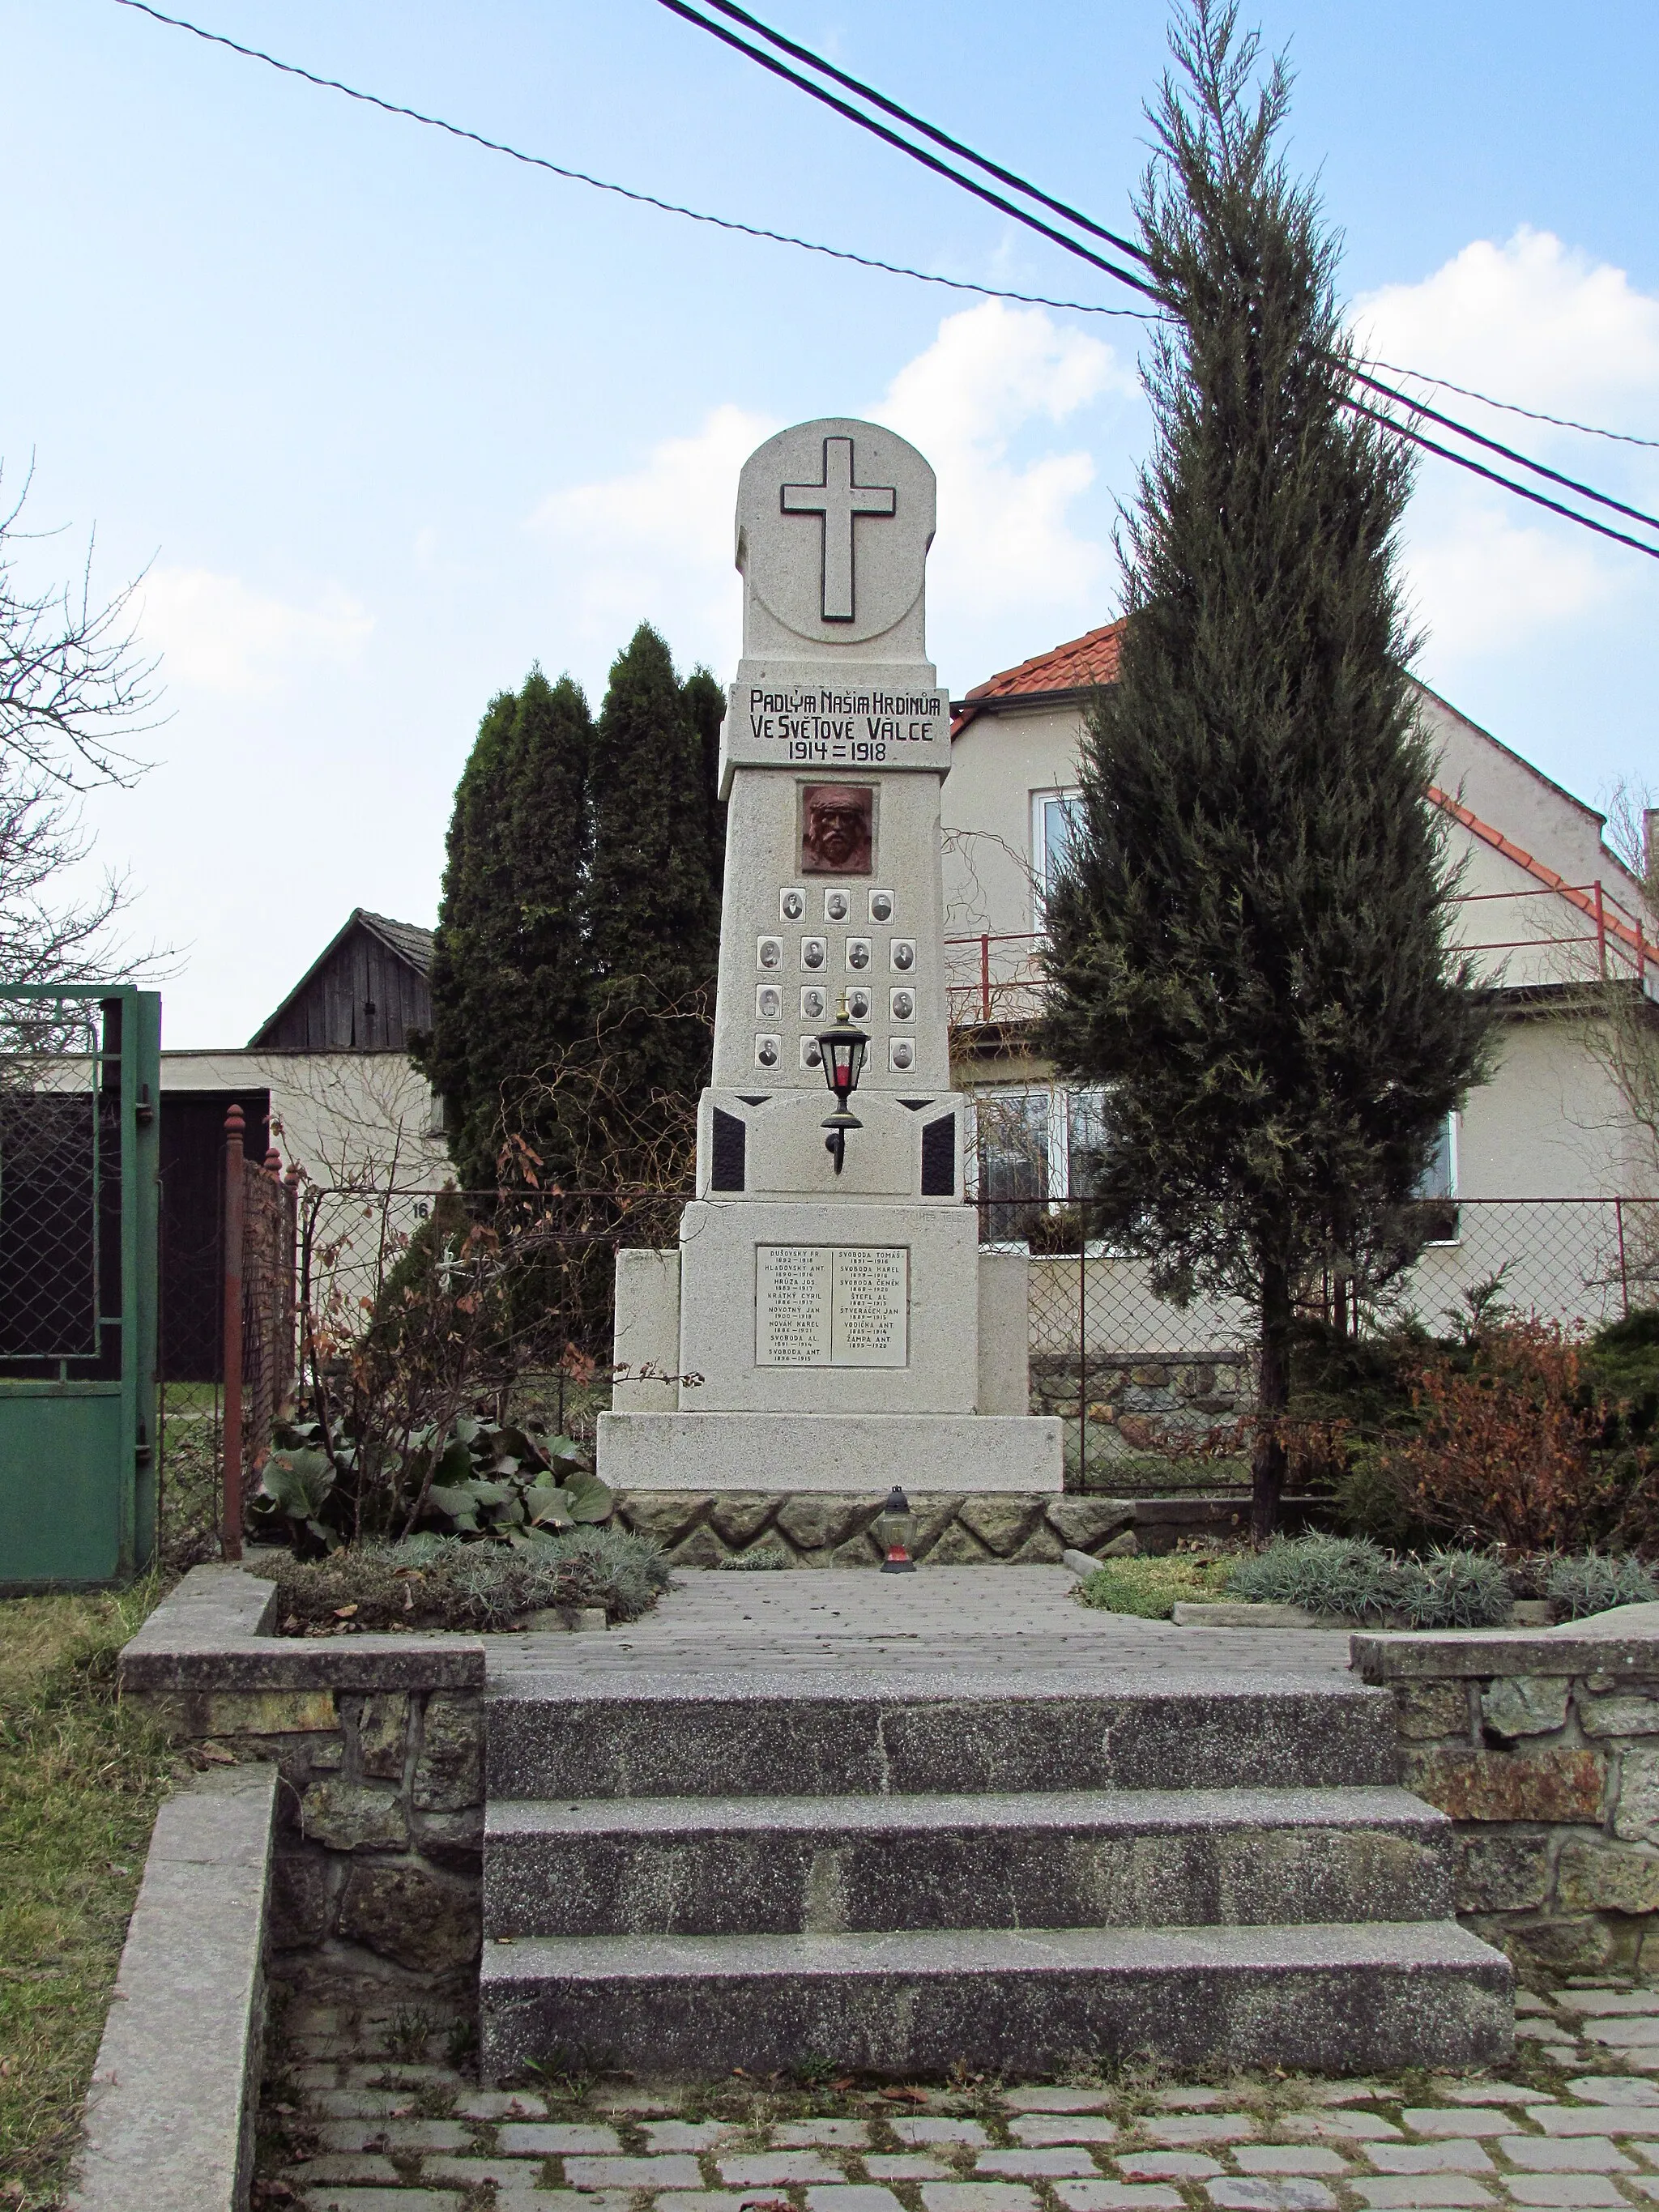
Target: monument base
x=943, y=1453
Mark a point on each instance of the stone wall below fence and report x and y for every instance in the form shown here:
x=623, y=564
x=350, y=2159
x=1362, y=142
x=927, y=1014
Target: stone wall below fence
x=702, y=1529
x=1145, y=1402
x=1543, y=1747
x=379, y=1743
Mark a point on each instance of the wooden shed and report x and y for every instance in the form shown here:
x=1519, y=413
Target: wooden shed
x=367, y=991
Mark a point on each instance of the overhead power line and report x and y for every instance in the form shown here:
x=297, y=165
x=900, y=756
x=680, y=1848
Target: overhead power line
x=1045, y=230
x=916, y=153
x=1508, y=407
x=625, y=191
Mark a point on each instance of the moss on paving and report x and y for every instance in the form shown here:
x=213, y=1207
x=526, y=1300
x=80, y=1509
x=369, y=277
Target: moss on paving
x=1152, y=1588
x=80, y=1780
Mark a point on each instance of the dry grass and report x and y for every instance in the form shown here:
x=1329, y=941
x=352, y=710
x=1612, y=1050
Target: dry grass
x=80, y=1780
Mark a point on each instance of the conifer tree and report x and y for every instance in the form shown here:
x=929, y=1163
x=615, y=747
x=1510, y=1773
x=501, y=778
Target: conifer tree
x=510, y=973
x=1249, y=948
x=653, y=889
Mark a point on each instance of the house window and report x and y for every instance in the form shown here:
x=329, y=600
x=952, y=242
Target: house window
x=1436, y=1186
x=1031, y=1148
x=1057, y=819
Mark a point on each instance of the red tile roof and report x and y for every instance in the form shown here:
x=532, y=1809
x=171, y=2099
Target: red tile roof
x=1078, y=666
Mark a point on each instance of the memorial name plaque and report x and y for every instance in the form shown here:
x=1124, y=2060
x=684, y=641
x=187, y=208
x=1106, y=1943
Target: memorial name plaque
x=828, y=1306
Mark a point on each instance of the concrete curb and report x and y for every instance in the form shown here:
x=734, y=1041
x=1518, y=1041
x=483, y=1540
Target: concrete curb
x=170, y=2113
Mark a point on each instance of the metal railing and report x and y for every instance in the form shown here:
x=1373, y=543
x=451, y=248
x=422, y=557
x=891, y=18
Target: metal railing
x=996, y=977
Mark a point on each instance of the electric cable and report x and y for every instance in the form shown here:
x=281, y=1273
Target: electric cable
x=1508, y=407
x=1571, y=483
x=1521, y=492
x=939, y=138
x=625, y=191
x=916, y=153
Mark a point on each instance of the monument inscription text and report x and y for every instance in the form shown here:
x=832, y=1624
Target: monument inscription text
x=832, y=1305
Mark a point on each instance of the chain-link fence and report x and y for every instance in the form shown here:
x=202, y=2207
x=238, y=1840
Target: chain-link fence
x=1132, y=1374
x=269, y=1212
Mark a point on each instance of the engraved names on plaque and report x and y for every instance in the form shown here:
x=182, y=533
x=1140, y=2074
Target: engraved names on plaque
x=832, y=1305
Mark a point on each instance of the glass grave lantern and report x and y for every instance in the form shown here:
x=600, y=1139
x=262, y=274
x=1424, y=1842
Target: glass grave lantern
x=895, y=1531
x=843, y=1048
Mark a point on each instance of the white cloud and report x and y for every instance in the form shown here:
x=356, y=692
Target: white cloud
x=1005, y=539
x=218, y=634
x=656, y=542
x=1531, y=320
x=1536, y=322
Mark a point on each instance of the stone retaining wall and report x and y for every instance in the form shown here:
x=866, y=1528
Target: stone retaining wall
x=1145, y=1402
x=1544, y=1749
x=700, y=1530
x=379, y=1743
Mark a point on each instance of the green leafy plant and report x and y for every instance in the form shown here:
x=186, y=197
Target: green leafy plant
x=296, y=1485
x=1454, y=1589
x=1348, y=1576
x=1595, y=1582
x=1151, y=1588
x=434, y=1581
x=763, y=1560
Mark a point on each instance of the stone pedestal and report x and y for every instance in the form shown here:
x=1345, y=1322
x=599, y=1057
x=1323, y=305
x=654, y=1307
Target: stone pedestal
x=829, y=1326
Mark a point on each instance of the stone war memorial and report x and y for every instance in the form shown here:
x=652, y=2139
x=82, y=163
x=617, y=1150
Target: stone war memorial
x=828, y=1327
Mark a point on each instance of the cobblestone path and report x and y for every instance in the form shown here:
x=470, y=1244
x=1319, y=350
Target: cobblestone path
x=371, y=2114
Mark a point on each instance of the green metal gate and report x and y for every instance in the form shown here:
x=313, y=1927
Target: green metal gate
x=80, y=1090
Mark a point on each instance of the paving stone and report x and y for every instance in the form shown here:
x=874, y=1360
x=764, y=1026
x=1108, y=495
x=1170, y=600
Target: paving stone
x=905, y=2165
x=506, y=2104
x=675, y=2135
x=364, y=2166
x=852, y=2197
x=1641, y=2034
x=1542, y=2155
x=1337, y=2127
x=771, y=2169
x=351, y=2103
x=556, y=2139
x=790, y=2135
x=1177, y=2127
x=1191, y=2099
x=616, y=2172
x=979, y=2196
x=393, y=2135
x=1167, y=2165
x=639, y=2103
x=1063, y=2128
x=598, y=2200
x=1036, y=2164
x=1529, y=2001
x=513, y=2173
x=1320, y=2094
x=1289, y=2158
x=1258, y=2194
x=1466, y=2120
x=1429, y=2158
x=689, y=2200
x=1594, y=2119
x=1116, y=2196
x=1562, y=2191
x=381, y=2200
x=942, y=2131
x=1490, y=2092
x=1057, y=2101
x=1614, y=2089
x=1433, y=2192
x=1607, y=2004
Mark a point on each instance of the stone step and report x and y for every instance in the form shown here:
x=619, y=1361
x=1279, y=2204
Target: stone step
x=702, y=1866
x=1331, y=1999
x=832, y=1731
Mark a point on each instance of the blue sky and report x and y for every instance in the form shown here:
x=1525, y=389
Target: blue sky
x=389, y=418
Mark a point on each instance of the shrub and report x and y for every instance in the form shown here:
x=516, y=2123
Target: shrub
x=1345, y=1574
x=1151, y=1588
x=1455, y=1589
x=431, y=1581
x=764, y=1558
x=1595, y=1582
x=1503, y=1448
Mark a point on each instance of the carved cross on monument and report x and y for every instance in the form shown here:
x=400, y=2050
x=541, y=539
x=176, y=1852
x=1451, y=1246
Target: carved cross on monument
x=837, y=499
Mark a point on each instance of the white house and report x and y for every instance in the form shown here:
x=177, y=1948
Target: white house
x=1542, y=1173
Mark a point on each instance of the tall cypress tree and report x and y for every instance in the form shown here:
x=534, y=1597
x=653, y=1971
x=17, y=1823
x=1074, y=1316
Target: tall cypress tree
x=1250, y=947
x=510, y=973
x=653, y=898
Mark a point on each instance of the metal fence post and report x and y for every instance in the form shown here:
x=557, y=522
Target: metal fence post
x=231, y=1448
x=1624, y=1268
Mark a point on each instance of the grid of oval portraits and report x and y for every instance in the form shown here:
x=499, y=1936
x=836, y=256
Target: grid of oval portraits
x=834, y=939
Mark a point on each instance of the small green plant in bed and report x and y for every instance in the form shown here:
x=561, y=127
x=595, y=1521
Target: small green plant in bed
x=443, y=1582
x=1152, y=1588
x=1595, y=1582
x=1351, y=1579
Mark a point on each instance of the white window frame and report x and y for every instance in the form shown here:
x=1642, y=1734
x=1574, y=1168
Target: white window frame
x=1449, y=1196
x=1039, y=801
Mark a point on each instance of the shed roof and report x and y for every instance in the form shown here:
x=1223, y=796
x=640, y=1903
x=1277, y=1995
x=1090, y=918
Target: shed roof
x=405, y=940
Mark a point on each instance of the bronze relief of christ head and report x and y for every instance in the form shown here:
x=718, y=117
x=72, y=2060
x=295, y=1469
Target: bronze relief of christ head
x=837, y=829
